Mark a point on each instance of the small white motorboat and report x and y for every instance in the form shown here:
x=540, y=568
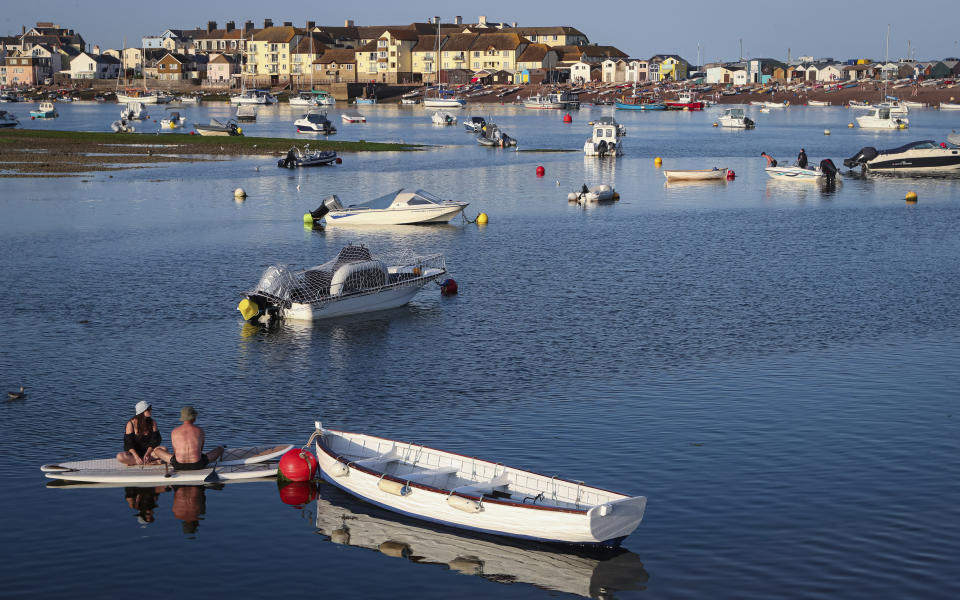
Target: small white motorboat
x=253, y=97
x=7, y=119
x=173, y=121
x=949, y=106
x=810, y=174
x=134, y=111
x=315, y=121
x=475, y=494
x=303, y=99
x=46, y=110
x=247, y=113
x=818, y=103
x=297, y=157
x=783, y=104
x=474, y=124
x=122, y=126
x=218, y=128
x=353, y=282
x=395, y=208
x=190, y=99
x=443, y=118
x=714, y=174
x=606, y=138
x=596, y=193
x=409, y=101
x=352, y=116
x=736, y=118
x=914, y=104
x=881, y=118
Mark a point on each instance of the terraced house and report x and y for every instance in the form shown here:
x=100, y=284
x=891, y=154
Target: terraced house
x=389, y=57
x=425, y=57
x=553, y=36
x=497, y=51
x=336, y=65
x=269, y=54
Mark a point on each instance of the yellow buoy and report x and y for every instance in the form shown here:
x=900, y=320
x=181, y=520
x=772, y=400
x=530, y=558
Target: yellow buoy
x=248, y=308
x=902, y=126
x=658, y=161
x=307, y=219
x=482, y=219
x=715, y=124
x=826, y=132
x=911, y=197
x=240, y=130
x=850, y=125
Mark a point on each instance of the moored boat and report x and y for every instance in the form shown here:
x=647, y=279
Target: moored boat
x=491, y=135
x=8, y=119
x=949, y=106
x=352, y=116
x=474, y=124
x=685, y=101
x=443, y=118
x=297, y=157
x=818, y=103
x=635, y=103
x=811, y=174
x=46, y=110
x=173, y=121
x=596, y=193
x=353, y=282
x=714, y=174
x=395, y=208
x=924, y=156
x=606, y=138
x=881, y=118
x=247, y=113
x=736, y=118
x=315, y=121
x=475, y=494
x=218, y=128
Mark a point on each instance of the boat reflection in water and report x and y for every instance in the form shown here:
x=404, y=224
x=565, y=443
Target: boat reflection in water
x=345, y=520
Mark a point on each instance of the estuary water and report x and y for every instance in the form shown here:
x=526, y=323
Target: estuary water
x=775, y=366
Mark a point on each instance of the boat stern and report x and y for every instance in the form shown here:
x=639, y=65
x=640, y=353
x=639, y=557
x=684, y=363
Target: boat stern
x=612, y=521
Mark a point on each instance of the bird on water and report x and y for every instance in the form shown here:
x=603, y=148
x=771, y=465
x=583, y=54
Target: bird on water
x=16, y=395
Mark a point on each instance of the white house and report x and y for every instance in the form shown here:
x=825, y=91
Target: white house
x=580, y=71
x=93, y=66
x=637, y=70
x=831, y=72
x=614, y=70
x=719, y=74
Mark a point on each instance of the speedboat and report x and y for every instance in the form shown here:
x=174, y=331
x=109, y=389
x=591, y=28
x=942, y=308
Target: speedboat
x=353, y=282
x=315, y=121
x=462, y=491
x=596, y=193
x=173, y=121
x=953, y=138
x=46, y=110
x=490, y=135
x=134, y=111
x=395, y=208
x=8, y=119
x=306, y=158
x=303, y=99
x=825, y=172
x=247, y=113
x=920, y=157
x=714, y=174
x=735, y=117
x=352, y=116
x=253, y=97
x=122, y=126
x=218, y=128
x=881, y=118
x=605, y=141
x=474, y=124
x=443, y=118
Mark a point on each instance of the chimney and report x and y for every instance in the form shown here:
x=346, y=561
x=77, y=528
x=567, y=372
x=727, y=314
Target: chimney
x=458, y=20
x=482, y=21
x=96, y=50
x=514, y=24
x=311, y=24
x=348, y=23
x=248, y=26
x=288, y=23
x=267, y=23
x=230, y=26
x=211, y=25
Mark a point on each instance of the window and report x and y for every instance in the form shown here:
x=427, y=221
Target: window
x=381, y=43
x=476, y=65
x=349, y=67
x=273, y=47
x=476, y=54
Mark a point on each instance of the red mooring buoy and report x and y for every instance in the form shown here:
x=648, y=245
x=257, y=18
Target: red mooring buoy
x=541, y=171
x=339, y=161
x=298, y=493
x=296, y=467
x=448, y=287
x=731, y=175
x=567, y=118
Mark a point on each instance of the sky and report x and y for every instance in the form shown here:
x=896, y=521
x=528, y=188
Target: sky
x=840, y=29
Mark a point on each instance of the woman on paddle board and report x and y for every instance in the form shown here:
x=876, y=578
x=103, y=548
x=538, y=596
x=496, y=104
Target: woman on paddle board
x=140, y=438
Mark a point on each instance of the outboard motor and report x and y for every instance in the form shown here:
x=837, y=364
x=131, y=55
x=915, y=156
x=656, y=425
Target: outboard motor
x=329, y=203
x=749, y=122
x=866, y=154
x=829, y=171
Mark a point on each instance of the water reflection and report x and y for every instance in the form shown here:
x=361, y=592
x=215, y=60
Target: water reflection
x=345, y=520
x=189, y=505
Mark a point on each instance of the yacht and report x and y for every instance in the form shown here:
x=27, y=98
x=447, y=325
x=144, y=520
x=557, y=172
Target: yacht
x=881, y=118
x=253, y=97
x=925, y=156
x=303, y=99
x=315, y=121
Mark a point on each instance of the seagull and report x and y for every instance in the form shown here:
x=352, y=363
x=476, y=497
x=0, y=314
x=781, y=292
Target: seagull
x=298, y=187
x=257, y=168
x=16, y=395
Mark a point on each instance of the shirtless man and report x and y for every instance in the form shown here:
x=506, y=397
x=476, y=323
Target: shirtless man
x=187, y=441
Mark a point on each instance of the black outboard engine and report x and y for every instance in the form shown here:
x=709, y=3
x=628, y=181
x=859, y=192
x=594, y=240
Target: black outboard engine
x=749, y=122
x=329, y=203
x=866, y=154
x=829, y=171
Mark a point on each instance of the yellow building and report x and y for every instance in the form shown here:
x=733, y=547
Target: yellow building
x=425, y=57
x=270, y=53
x=389, y=58
x=496, y=51
x=553, y=36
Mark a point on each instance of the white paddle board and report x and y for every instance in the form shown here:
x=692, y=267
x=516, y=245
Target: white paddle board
x=140, y=476
x=245, y=455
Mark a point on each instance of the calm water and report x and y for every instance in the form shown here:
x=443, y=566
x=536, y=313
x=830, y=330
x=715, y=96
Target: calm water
x=776, y=367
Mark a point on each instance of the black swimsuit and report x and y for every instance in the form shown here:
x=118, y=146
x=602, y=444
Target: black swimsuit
x=140, y=442
x=194, y=466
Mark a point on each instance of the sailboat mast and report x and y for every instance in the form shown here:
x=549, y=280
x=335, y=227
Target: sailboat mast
x=885, y=61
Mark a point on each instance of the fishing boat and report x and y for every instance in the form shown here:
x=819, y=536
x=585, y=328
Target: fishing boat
x=315, y=121
x=949, y=106
x=606, y=138
x=246, y=113
x=173, y=121
x=714, y=174
x=218, y=128
x=443, y=118
x=7, y=119
x=736, y=118
x=925, y=156
x=475, y=494
x=297, y=157
x=684, y=101
x=490, y=135
x=596, y=193
x=395, y=208
x=474, y=124
x=46, y=110
x=551, y=101
x=637, y=103
x=880, y=118
x=134, y=111
x=352, y=116
x=353, y=282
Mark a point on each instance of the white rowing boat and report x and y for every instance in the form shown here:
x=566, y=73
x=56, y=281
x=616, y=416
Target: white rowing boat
x=713, y=174
x=470, y=493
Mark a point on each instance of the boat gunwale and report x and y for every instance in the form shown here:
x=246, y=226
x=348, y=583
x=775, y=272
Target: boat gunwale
x=483, y=498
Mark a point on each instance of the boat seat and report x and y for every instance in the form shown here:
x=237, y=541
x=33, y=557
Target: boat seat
x=378, y=462
x=420, y=476
x=479, y=488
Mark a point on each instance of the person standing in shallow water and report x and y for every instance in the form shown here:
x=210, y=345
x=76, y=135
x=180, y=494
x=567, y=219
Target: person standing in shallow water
x=187, y=441
x=141, y=438
x=802, y=159
x=771, y=161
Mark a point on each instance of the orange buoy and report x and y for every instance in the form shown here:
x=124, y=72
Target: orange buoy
x=567, y=118
x=541, y=171
x=298, y=464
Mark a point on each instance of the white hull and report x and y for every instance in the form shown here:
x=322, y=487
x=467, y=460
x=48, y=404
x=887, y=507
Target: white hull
x=147, y=99
x=591, y=148
x=158, y=477
x=303, y=102
x=697, y=175
x=796, y=174
x=733, y=122
x=383, y=300
x=874, y=123
x=949, y=106
x=448, y=488
x=545, y=105
x=443, y=103
x=818, y=103
x=211, y=132
x=406, y=216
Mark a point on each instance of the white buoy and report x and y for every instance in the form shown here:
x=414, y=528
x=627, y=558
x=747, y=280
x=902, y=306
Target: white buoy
x=826, y=132
x=239, y=193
